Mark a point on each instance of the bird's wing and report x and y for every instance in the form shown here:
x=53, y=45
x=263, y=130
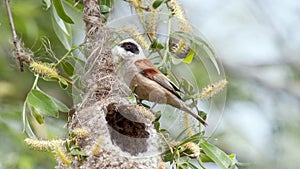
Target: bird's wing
x=150, y=71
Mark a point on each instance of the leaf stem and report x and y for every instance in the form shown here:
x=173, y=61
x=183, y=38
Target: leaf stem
x=65, y=56
x=34, y=85
x=24, y=118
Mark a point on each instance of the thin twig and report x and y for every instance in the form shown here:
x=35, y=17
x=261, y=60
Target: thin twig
x=11, y=23
x=19, y=51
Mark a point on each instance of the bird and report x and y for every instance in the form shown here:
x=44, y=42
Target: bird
x=146, y=81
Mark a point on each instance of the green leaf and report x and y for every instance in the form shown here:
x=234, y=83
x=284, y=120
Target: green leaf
x=104, y=9
x=189, y=57
x=156, y=45
x=217, y=155
x=61, y=12
x=201, y=47
x=38, y=117
x=183, y=133
x=67, y=146
x=60, y=105
x=157, y=3
x=46, y=4
x=108, y=3
x=62, y=31
x=42, y=103
x=192, y=166
x=157, y=116
x=49, y=79
x=27, y=128
x=205, y=158
x=202, y=114
x=183, y=166
x=68, y=68
x=63, y=83
x=156, y=125
x=168, y=157
x=76, y=153
x=195, y=138
x=75, y=147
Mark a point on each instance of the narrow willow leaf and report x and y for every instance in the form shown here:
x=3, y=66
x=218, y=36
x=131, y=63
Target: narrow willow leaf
x=183, y=133
x=156, y=125
x=62, y=31
x=38, y=117
x=67, y=146
x=42, y=103
x=183, y=166
x=68, y=68
x=75, y=147
x=60, y=105
x=61, y=11
x=28, y=129
x=192, y=166
x=157, y=3
x=194, y=138
x=211, y=55
x=217, y=155
x=189, y=57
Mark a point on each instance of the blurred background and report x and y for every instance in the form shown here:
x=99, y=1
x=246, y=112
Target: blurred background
x=258, y=43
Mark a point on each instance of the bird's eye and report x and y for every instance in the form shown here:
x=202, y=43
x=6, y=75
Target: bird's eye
x=129, y=46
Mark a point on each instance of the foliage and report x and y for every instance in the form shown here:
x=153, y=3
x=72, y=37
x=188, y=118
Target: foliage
x=188, y=148
x=14, y=153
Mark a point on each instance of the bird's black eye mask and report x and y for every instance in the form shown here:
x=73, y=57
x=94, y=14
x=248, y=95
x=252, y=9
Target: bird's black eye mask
x=129, y=46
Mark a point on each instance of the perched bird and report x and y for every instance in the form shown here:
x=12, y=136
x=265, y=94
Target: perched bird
x=145, y=79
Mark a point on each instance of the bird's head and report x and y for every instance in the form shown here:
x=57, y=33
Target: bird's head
x=127, y=49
